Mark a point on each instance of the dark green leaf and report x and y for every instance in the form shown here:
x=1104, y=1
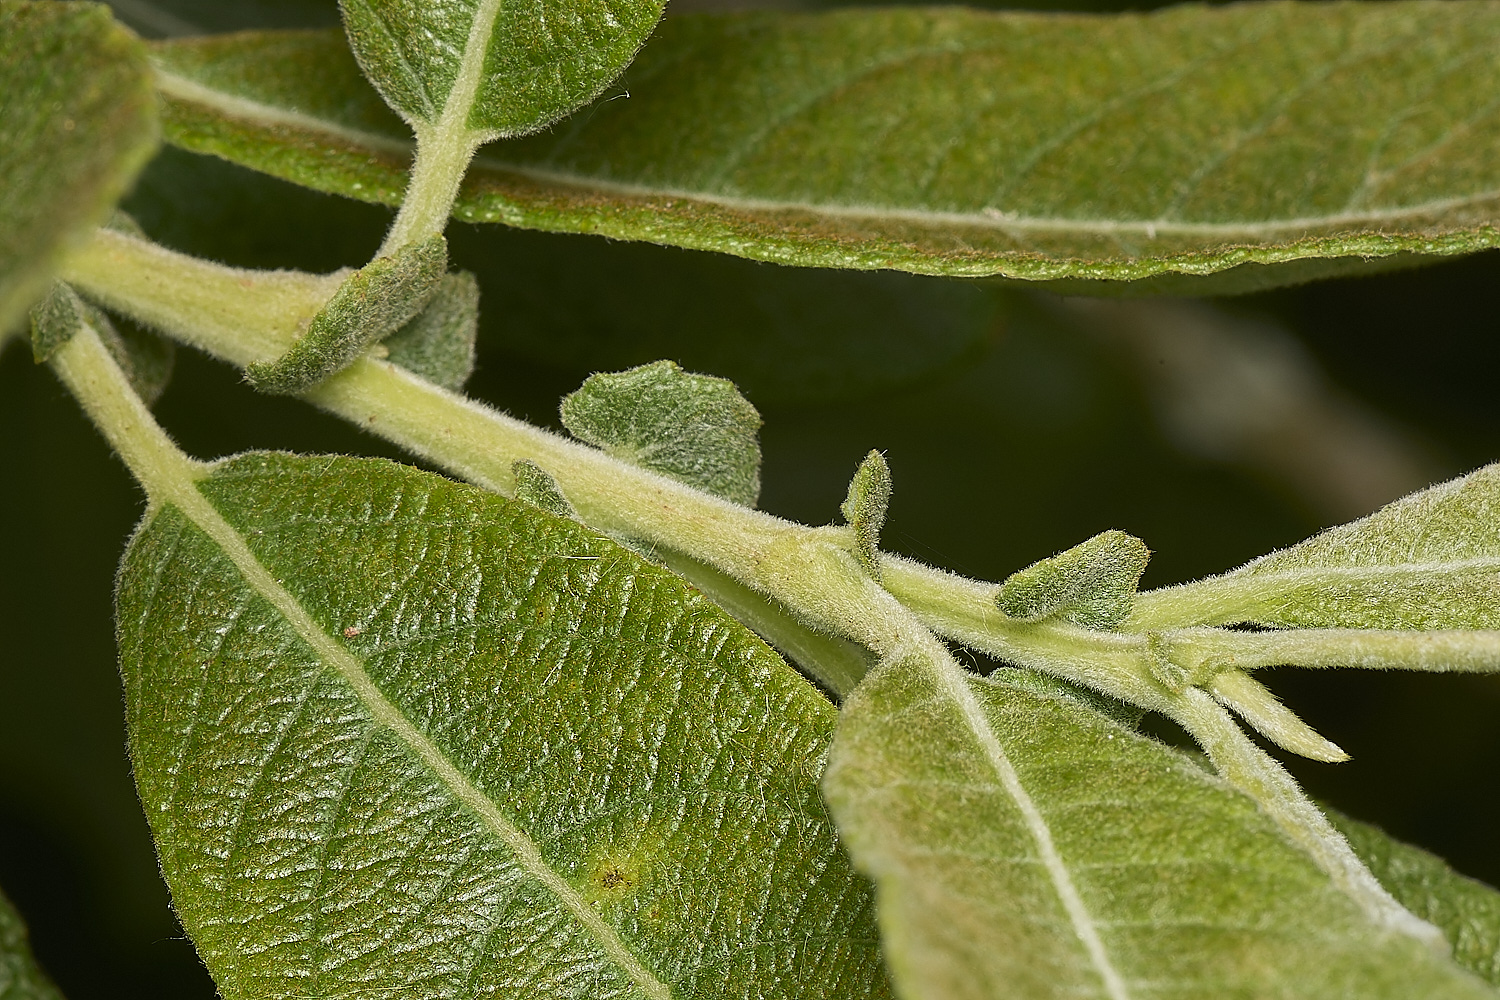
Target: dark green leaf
x=20, y=979
x=1466, y=911
x=697, y=429
x=397, y=735
x=513, y=66
x=1187, y=141
x=77, y=122
x=1026, y=847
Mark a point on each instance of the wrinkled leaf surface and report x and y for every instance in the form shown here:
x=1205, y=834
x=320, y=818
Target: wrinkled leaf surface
x=1029, y=847
x=533, y=62
x=496, y=754
x=1190, y=140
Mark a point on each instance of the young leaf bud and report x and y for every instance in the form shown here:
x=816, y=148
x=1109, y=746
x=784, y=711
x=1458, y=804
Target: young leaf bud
x=54, y=321
x=1092, y=584
x=865, y=508
x=1250, y=699
x=438, y=343
x=695, y=429
x=535, y=485
x=372, y=303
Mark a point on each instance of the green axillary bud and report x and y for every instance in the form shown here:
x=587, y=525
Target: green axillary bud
x=864, y=508
x=1092, y=584
x=535, y=485
x=54, y=321
x=1250, y=699
x=695, y=429
x=1168, y=672
x=438, y=343
x=371, y=304
x=145, y=358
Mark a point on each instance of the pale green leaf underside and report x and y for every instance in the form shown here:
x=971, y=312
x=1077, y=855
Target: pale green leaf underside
x=77, y=122
x=1126, y=872
x=1427, y=561
x=587, y=782
x=20, y=979
x=1466, y=911
x=535, y=60
x=951, y=141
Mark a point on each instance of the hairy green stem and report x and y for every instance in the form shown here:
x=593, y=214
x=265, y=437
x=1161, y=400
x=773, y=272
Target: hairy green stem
x=443, y=155
x=1250, y=768
x=86, y=367
x=965, y=610
x=445, y=147
x=835, y=663
x=809, y=569
x=1439, y=651
x=239, y=315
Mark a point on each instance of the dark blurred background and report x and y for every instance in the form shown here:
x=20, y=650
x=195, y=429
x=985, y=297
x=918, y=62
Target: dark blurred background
x=1016, y=423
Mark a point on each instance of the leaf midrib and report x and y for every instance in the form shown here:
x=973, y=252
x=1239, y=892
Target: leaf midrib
x=954, y=685
x=187, y=498
x=453, y=123
x=254, y=112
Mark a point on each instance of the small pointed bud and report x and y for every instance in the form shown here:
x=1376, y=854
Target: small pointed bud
x=535, y=485
x=1168, y=673
x=1092, y=584
x=54, y=321
x=865, y=508
x=1254, y=703
x=371, y=304
x=145, y=358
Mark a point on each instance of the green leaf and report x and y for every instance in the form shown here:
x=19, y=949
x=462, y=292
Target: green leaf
x=1092, y=584
x=77, y=123
x=1182, y=142
x=20, y=979
x=1466, y=911
x=438, y=343
x=400, y=736
x=372, y=303
x=1428, y=561
x=506, y=69
x=1026, y=847
x=696, y=429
